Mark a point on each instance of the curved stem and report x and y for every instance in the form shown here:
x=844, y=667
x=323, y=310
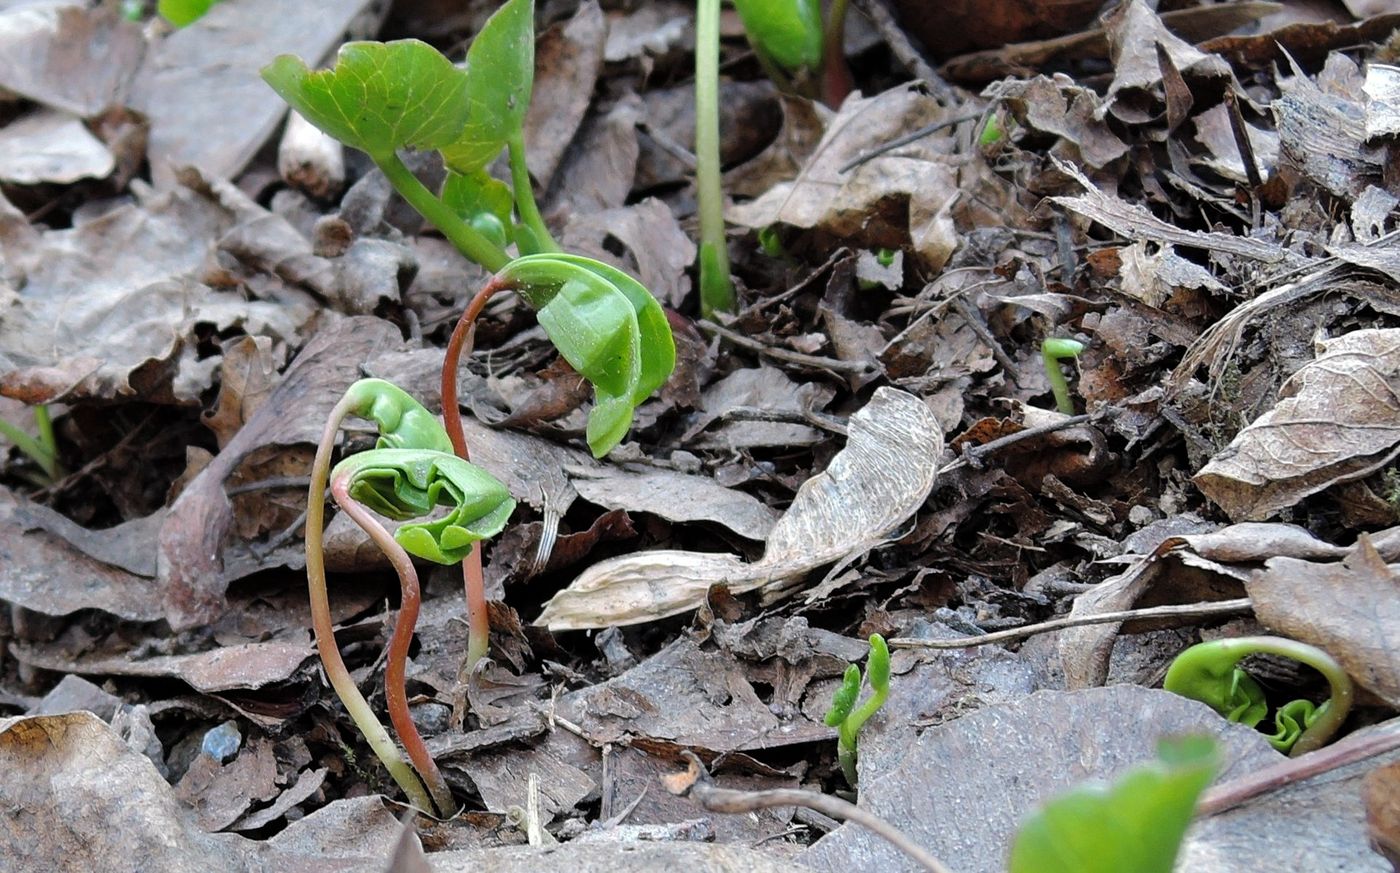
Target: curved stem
x=1052, y=350
x=836, y=76
x=396, y=665
x=474, y=579
x=716, y=287
x=336, y=671
x=466, y=238
x=525, y=194
x=1334, y=711
x=40, y=450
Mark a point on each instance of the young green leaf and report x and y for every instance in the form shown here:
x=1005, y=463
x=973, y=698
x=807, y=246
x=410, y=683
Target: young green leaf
x=182, y=13
x=403, y=422
x=788, y=31
x=877, y=667
x=379, y=97
x=478, y=195
x=1133, y=826
x=404, y=484
x=844, y=698
x=500, y=69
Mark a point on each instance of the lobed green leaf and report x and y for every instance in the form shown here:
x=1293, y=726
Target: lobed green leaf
x=788, y=31
x=1133, y=826
x=500, y=68
x=379, y=97
x=404, y=484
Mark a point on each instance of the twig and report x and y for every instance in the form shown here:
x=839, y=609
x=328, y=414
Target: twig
x=1341, y=753
x=1190, y=610
x=905, y=140
x=832, y=364
x=696, y=784
x=904, y=51
x=973, y=456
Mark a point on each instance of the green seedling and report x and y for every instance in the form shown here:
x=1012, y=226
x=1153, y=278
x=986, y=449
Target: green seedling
x=1052, y=351
x=43, y=450
x=381, y=98
x=1209, y=672
x=411, y=471
x=843, y=714
x=716, y=286
x=1136, y=825
x=792, y=43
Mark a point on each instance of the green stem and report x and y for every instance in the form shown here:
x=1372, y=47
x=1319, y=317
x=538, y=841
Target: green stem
x=846, y=754
x=1333, y=713
x=41, y=451
x=716, y=288
x=525, y=194
x=466, y=238
x=1052, y=350
x=336, y=671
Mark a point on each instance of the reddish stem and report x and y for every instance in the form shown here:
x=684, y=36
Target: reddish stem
x=396, y=665
x=478, y=619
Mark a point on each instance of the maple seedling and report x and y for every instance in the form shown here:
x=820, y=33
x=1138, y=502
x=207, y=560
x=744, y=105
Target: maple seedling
x=1210, y=672
x=791, y=43
x=1135, y=825
x=1052, y=351
x=381, y=98
x=411, y=471
x=843, y=714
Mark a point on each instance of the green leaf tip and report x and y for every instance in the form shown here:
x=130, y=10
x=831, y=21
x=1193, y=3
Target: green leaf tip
x=379, y=97
x=844, y=698
x=500, y=70
x=788, y=31
x=1135, y=825
x=877, y=668
x=404, y=484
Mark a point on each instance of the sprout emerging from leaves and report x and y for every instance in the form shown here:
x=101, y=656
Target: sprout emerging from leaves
x=1052, y=351
x=843, y=714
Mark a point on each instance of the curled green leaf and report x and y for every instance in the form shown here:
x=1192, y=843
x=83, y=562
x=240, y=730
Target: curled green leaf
x=379, y=97
x=403, y=422
x=478, y=197
x=404, y=484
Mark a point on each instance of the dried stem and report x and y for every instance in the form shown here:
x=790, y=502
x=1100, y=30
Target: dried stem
x=336, y=671
x=474, y=580
x=396, y=665
x=730, y=801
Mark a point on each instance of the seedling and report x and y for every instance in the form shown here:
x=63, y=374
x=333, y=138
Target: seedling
x=845, y=718
x=716, y=286
x=1052, y=351
x=409, y=473
x=790, y=41
x=42, y=451
x=383, y=97
x=1133, y=826
x=1208, y=672
x=183, y=12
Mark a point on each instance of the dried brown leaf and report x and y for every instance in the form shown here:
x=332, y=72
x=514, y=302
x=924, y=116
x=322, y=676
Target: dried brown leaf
x=1337, y=419
x=51, y=147
x=69, y=56
x=1382, y=794
x=568, y=58
x=870, y=487
x=1350, y=609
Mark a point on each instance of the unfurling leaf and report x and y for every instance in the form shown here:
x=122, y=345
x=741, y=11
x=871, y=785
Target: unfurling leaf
x=788, y=31
x=379, y=97
x=403, y=422
x=405, y=484
x=844, y=698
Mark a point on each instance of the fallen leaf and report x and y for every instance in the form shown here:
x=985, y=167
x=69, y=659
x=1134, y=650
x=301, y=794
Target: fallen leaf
x=597, y=175
x=755, y=388
x=963, y=787
x=1382, y=796
x=69, y=56
x=1135, y=37
x=1349, y=609
x=659, y=250
x=51, y=147
x=1336, y=420
x=568, y=59
x=239, y=667
x=870, y=487
x=219, y=793
x=639, y=857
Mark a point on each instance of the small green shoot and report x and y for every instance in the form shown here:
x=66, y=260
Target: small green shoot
x=792, y=43
x=43, y=450
x=1135, y=825
x=845, y=717
x=1052, y=351
x=411, y=471
x=1209, y=672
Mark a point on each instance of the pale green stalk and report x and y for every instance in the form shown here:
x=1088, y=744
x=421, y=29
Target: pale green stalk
x=525, y=195
x=716, y=288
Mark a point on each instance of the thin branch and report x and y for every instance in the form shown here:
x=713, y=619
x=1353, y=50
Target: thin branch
x=832, y=364
x=696, y=784
x=1190, y=610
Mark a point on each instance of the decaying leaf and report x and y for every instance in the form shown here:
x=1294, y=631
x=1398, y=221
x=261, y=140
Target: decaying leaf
x=1337, y=419
x=1382, y=792
x=69, y=56
x=963, y=787
x=568, y=59
x=871, y=487
x=49, y=146
x=251, y=665
x=1350, y=609
x=902, y=198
